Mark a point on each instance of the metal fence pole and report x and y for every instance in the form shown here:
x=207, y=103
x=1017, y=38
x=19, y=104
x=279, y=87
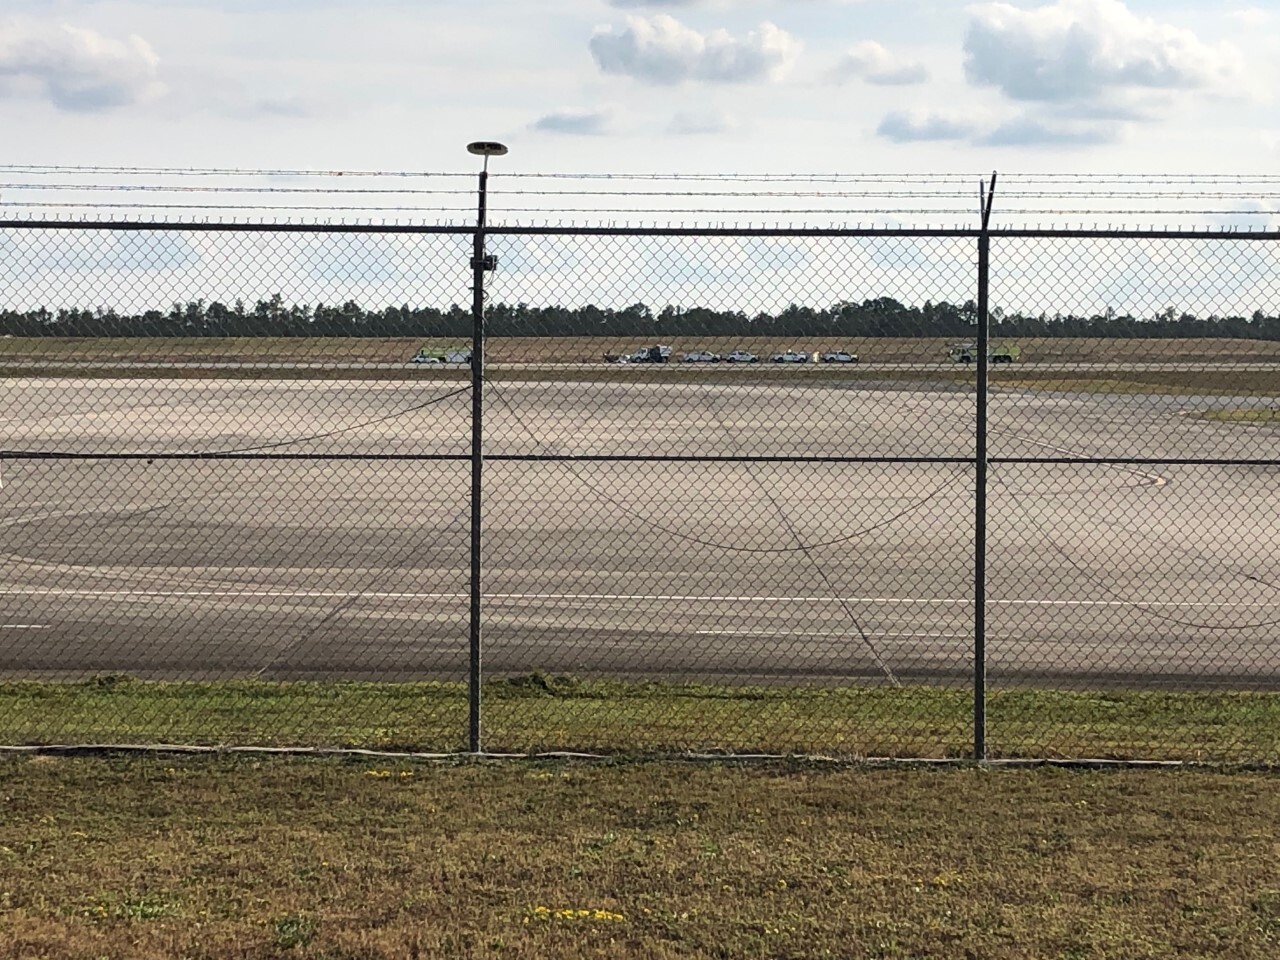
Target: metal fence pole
x=481, y=262
x=980, y=487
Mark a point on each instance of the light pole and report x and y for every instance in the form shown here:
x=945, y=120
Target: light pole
x=481, y=263
x=980, y=458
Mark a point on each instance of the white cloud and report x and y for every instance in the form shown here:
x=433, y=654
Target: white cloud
x=661, y=50
x=1082, y=49
x=581, y=122
x=694, y=123
x=912, y=127
x=73, y=68
x=1251, y=16
x=918, y=126
x=638, y=4
x=1030, y=132
x=1251, y=215
x=873, y=63
x=286, y=106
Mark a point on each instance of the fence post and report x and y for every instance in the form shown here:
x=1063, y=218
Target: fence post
x=481, y=262
x=980, y=485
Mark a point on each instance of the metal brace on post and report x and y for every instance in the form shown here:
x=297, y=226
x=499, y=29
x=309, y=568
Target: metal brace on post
x=481, y=263
x=986, y=197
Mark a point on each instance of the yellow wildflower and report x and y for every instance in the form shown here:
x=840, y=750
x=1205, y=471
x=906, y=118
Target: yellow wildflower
x=573, y=915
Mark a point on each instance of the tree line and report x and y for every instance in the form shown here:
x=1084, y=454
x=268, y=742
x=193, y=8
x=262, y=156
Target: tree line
x=881, y=317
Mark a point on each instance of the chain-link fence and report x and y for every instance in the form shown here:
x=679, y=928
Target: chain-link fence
x=850, y=492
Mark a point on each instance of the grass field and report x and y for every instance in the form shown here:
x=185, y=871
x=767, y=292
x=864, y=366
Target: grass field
x=1242, y=383
x=163, y=857
x=592, y=349
x=537, y=713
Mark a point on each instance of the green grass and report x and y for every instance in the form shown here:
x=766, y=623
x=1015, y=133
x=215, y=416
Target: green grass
x=1175, y=383
x=538, y=714
x=225, y=857
x=1260, y=383
x=212, y=349
x=80, y=372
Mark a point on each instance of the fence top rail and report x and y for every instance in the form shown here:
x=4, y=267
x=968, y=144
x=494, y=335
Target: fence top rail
x=1121, y=233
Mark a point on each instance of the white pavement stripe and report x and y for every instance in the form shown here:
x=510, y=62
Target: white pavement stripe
x=691, y=598
x=24, y=626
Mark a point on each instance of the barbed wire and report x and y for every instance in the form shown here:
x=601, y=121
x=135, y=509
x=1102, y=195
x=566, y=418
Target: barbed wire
x=496, y=209
x=812, y=177
x=185, y=188
x=1007, y=195
x=43, y=169
x=230, y=207
x=567, y=199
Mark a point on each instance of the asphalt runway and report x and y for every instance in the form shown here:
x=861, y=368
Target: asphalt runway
x=818, y=572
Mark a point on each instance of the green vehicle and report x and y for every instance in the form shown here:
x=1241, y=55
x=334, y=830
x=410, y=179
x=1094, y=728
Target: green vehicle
x=967, y=352
x=442, y=355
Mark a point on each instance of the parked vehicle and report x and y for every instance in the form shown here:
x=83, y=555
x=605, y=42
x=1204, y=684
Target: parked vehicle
x=658, y=353
x=700, y=356
x=791, y=356
x=449, y=355
x=654, y=354
x=839, y=356
x=741, y=356
x=967, y=352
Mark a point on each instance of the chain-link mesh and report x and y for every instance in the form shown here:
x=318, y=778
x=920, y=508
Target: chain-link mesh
x=222, y=476
x=1132, y=548
x=755, y=512
x=729, y=495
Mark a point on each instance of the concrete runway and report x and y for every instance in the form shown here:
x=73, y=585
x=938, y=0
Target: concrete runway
x=1162, y=576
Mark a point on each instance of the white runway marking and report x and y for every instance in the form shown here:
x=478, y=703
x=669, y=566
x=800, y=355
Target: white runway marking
x=396, y=595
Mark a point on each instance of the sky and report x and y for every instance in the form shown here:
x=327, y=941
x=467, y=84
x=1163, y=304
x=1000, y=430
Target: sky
x=653, y=85
x=691, y=87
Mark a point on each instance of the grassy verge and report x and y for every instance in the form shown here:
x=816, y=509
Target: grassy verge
x=1175, y=383
x=1145, y=383
x=213, y=349
x=538, y=714
x=224, y=373
x=227, y=858
x=1260, y=383
x=667, y=375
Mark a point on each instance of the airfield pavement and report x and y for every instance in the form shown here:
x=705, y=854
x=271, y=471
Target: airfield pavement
x=818, y=572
